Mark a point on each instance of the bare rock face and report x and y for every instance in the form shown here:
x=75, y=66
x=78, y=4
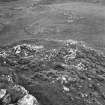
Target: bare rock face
x=55, y=72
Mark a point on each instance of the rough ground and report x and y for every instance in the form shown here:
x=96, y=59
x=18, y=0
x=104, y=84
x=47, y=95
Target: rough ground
x=45, y=56
x=55, y=72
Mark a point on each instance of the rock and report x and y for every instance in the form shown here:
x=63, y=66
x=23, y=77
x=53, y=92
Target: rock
x=6, y=99
x=28, y=100
x=2, y=93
